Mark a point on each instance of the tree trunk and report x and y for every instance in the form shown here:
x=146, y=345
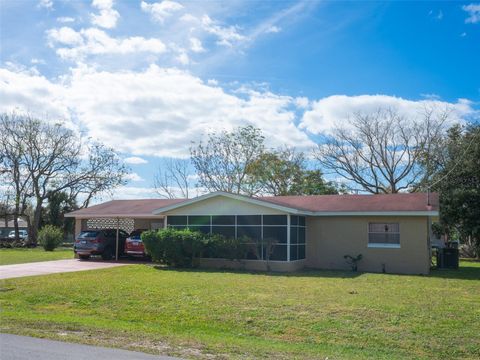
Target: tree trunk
x=15, y=218
x=36, y=221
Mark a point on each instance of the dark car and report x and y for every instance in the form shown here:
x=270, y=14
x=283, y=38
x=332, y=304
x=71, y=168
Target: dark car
x=134, y=244
x=100, y=242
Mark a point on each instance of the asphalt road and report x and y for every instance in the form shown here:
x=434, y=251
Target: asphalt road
x=14, y=347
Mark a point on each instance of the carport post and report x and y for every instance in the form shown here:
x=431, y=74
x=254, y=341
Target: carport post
x=116, y=240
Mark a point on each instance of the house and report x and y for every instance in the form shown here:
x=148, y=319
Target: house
x=8, y=226
x=391, y=231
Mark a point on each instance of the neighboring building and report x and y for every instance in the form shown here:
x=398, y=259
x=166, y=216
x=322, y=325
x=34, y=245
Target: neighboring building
x=392, y=232
x=5, y=230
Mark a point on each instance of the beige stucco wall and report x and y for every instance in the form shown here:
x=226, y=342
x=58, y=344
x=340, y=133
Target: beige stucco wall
x=221, y=205
x=330, y=238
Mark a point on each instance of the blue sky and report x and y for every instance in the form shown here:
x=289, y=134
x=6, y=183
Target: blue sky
x=149, y=77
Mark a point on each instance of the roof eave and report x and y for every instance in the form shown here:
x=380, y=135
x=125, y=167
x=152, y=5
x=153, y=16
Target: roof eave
x=107, y=216
x=232, y=196
x=376, y=213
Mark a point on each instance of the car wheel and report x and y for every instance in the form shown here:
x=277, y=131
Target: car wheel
x=107, y=254
x=84, y=257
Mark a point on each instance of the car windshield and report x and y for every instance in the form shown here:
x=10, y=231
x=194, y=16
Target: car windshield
x=135, y=234
x=88, y=234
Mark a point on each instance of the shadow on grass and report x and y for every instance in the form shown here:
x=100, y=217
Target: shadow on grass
x=303, y=273
x=468, y=270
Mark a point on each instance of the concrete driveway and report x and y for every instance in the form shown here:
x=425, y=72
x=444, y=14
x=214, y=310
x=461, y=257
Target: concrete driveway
x=13, y=347
x=53, y=267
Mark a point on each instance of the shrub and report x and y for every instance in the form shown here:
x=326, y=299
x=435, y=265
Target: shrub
x=174, y=247
x=353, y=261
x=50, y=237
x=218, y=246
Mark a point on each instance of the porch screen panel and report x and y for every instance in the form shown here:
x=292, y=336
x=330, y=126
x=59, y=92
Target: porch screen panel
x=264, y=235
x=297, y=237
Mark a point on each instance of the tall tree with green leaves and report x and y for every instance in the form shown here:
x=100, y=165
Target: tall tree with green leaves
x=458, y=181
x=222, y=161
x=285, y=172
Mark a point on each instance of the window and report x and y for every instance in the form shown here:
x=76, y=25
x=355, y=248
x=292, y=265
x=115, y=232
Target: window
x=199, y=220
x=249, y=220
x=385, y=235
x=223, y=220
x=297, y=238
x=177, y=220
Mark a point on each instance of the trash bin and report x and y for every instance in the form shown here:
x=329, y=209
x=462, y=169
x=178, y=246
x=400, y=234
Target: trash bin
x=447, y=258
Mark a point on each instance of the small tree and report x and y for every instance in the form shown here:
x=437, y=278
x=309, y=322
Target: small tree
x=222, y=162
x=172, y=179
x=50, y=237
x=458, y=182
x=353, y=261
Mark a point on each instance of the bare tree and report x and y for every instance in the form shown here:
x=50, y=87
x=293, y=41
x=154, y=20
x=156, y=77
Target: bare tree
x=172, y=179
x=383, y=152
x=14, y=178
x=222, y=162
x=50, y=158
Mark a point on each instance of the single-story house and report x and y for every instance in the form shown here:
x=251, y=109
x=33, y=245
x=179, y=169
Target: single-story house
x=7, y=225
x=391, y=231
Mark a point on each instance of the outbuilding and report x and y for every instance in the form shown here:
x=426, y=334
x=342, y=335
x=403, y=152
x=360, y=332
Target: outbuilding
x=392, y=232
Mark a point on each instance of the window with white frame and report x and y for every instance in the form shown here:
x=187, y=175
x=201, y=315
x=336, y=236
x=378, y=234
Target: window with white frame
x=384, y=235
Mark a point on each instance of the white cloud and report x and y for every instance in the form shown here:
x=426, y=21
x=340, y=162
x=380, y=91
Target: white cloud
x=227, y=35
x=134, y=177
x=135, y=160
x=159, y=111
x=155, y=112
x=46, y=4
x=37, y=61
x=93, y=41
x=161, y=10
x=473, y=11
x=65, y=19
x=330, y=111
x=273, y=29
x=302, y=102
x=65, y=36
x=196, y=45
x=183, y=58
x=107, y=17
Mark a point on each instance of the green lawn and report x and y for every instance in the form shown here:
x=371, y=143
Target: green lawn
x=19, y=256
x=214, y=314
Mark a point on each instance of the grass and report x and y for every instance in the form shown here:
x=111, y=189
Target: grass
x=215, y=314
x=24, y=255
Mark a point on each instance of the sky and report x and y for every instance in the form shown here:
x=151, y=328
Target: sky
x=147, y=78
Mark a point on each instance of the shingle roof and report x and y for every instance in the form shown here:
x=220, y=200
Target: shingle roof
x=141, y=207
x=358, y=203
x=316, y=203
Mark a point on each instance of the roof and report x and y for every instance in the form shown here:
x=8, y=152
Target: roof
x=319, y=205
x=358, y=203
x=21, y=223
x=124, y=208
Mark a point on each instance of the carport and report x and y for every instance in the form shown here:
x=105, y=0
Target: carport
x=126, y=215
